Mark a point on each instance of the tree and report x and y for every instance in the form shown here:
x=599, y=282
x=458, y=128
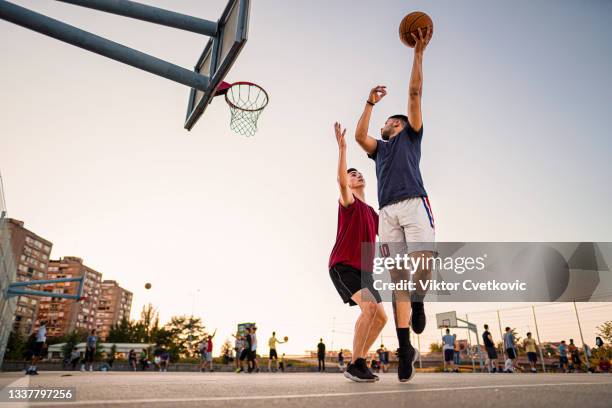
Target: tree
x=186, y=333
x=16, y=346
x=435, y=347
x=605, y=331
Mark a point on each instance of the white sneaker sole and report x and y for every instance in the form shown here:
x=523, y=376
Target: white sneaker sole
x=357, y=379
x=414, y=359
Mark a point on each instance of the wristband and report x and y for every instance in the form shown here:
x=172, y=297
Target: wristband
x=370, y=103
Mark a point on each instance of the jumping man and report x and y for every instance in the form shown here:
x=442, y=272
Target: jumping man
x=405, y=214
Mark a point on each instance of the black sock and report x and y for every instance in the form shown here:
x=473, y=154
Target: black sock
x=403, y=336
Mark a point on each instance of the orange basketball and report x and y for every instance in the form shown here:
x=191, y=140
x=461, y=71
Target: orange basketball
x=411, y=24
x=147, y=285
x=286, y=338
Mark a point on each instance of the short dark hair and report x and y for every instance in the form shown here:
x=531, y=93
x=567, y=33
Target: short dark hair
x=403, y=118
x=507, y=328
x=529, y=333
x=348, y=171
x=448, y=330
x=486, y=326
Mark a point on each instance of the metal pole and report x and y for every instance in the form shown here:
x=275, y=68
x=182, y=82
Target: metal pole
x=588, y=365
x=479, y=351
x=470, y=342
x=501, y=335
x=100, y=45
x=151, y=14
x=538, y=336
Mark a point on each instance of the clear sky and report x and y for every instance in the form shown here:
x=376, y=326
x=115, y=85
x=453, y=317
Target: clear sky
x=517, y=103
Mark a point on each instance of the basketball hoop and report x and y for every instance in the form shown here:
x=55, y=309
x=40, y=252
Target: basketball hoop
x=246, y=101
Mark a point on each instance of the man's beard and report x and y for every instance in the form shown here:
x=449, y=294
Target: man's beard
x=385, y=136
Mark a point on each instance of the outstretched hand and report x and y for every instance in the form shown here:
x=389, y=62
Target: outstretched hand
x=422, y=39
x=340, y=136
x=377, y=93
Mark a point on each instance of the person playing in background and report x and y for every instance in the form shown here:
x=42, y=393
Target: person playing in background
x=405, y=219
x=208, y=356
x=254, y=360
x=491, y=350
x=273, y=356
x=239, y=346
x=144, y=362
x=350, y=270
x=574, y=352
x=39, y=345
x=509, y=345
x=281, y=364
x=341, y=360
x=563, y=362
x=456, y=354
x=90, y=351
x=321, y=355
x=202, y=350
x=530, y=347
x=448, y=347
x=246, y=352
x=383, y=357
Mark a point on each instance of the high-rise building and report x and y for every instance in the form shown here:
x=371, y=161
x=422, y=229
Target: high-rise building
x=31, y=254
x=115, y=304
x=66, y=315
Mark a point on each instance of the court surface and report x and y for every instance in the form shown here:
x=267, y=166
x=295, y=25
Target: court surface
x=137, y=389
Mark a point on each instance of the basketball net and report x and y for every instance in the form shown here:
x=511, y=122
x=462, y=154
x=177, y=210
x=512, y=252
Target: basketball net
x=246, y=101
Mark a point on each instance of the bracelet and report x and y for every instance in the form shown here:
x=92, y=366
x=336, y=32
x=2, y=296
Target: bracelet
x=370, y=103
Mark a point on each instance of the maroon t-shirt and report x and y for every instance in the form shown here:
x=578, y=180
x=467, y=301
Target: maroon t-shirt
x=357, y=224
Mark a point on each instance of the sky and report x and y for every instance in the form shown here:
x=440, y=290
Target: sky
x=516, y=105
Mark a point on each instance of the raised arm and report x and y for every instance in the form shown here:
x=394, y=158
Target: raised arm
x=415, y=89
x=368, y=143
x=346, y=197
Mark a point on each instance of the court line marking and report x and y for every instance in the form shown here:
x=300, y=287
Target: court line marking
x=325, y=395
x=22, y=382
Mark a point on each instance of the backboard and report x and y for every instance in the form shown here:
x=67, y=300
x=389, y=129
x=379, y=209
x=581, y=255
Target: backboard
x=218, y=56
x=446, y=319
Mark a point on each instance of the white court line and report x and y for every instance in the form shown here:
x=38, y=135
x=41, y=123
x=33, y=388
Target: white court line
x=327, y=395
x=23, y=382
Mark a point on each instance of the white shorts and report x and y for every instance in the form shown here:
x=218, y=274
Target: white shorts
x=408, y=225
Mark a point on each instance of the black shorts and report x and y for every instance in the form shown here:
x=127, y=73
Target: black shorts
x=37, y=349
x=511, y=353
x=251, y=355
x=349, y=281
x=448, y=355
x=273, y=354
x=243, y=354
x=492, y=353
x=533, y=357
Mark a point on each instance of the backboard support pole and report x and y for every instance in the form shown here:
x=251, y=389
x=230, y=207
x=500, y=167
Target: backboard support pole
x=100, y=45
x=151, y=14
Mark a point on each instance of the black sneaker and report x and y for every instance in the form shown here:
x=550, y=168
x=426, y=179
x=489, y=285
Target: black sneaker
x=406, y=357
x=417, y=320
x=354, y=373
x=362, y=365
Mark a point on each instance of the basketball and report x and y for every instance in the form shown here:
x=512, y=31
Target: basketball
x=411, y=24
x=147, y=285
x=286, y=338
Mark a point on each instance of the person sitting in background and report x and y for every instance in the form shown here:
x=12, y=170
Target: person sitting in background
x=164, y=360
x=75, y=357
x=132, y=359
x=604, y=365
